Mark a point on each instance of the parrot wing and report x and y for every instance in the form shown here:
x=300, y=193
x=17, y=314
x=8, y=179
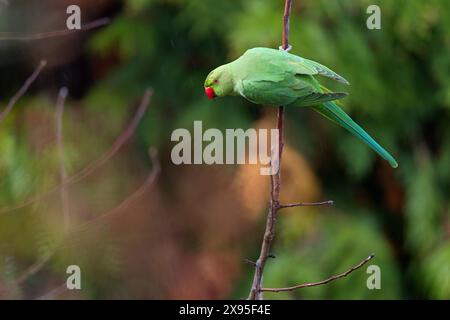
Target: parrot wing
x=297, y=90
x=265, y=57
x=269, y=76
x=324, y=71
x=314, y=68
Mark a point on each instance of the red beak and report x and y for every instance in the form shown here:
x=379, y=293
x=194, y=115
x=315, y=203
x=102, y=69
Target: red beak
x=210, y=93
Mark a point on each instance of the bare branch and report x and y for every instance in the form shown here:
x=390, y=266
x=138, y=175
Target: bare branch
x=320, y=283
x=18, y=36
x=253, y=263
x=62, y=96
x=275, y=182
x=286, y=23
x=53, y=293
x=151, y=178
x=35, y=268
x=23, y=90
x=118, y=144
x=307, y=204
x=96, y=164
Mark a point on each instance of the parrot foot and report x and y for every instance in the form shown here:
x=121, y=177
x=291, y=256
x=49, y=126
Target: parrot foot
x=287, y=49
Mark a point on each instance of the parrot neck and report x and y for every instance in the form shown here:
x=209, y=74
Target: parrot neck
x=226, y=80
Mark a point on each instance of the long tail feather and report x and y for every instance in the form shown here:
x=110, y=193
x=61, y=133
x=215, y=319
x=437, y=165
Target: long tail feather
x=332, y=111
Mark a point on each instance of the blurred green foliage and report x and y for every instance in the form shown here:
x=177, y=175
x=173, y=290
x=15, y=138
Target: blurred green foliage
x=400, y=92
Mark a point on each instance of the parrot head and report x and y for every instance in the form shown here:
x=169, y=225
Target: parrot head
x=219, y=82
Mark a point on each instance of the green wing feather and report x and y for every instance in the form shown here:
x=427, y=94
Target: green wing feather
x=324, y=71
x=298, y=90
x=265, y=58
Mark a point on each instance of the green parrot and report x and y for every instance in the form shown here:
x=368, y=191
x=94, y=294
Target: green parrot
x=276, y=77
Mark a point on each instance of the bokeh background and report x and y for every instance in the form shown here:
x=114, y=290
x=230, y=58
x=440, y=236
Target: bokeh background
x=186, y=234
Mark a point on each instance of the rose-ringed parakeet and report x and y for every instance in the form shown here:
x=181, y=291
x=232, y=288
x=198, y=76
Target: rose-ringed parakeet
x=276, y=77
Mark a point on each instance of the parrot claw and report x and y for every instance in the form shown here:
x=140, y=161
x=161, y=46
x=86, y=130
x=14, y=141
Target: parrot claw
x=289, y=48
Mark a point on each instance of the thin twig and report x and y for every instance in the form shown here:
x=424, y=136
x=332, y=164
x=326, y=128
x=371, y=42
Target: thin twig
x=253, y=263
x=151, y=178
x=96, y=164
x=62, y=96
x=19, y=36
x=120, y=141
x=53, y=293
x=27, y=84
x=307, y=204
x=286, y=23
x=35, y=267
x=315, y=284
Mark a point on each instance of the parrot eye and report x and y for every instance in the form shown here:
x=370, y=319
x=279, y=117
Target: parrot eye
x=216, y=81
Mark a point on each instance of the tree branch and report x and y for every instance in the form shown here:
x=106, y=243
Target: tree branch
x=31, y=79
x=18, y=36
x=62, y=96
x=275, y=182
x=307, y=204
x=149, y=181
x=286, y=23
x=320, y=283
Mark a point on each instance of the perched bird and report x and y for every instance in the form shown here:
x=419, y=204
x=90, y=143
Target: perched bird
x=276, y=77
